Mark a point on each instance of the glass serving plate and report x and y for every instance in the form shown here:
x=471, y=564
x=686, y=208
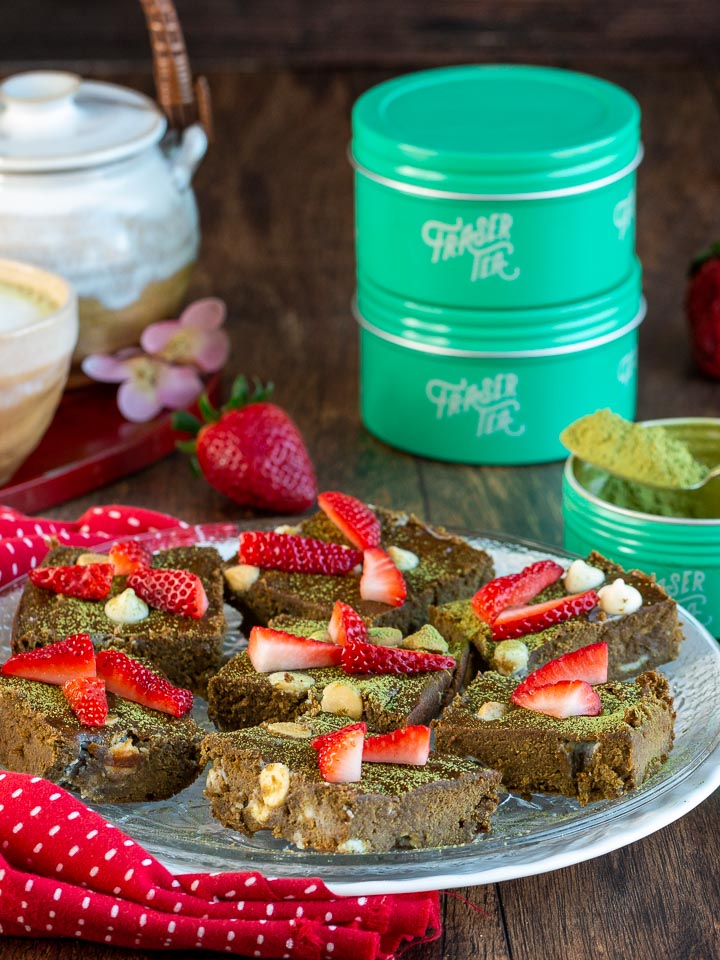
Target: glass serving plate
x=527, y=837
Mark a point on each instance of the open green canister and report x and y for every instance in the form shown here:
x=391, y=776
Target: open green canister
x=495, y=186
x=494, y=387
x=681, y=545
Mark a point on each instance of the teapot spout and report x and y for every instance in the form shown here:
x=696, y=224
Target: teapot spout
x=184, y=157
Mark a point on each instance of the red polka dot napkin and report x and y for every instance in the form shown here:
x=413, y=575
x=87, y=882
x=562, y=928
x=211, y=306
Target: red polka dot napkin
x=24, y=540
x=67, y=872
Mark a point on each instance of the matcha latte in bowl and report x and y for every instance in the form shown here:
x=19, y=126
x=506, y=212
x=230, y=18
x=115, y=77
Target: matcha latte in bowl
x=624, y=494
x=38, y=332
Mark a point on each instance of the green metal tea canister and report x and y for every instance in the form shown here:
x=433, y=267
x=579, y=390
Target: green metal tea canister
x=498, y=289
x=682, y=551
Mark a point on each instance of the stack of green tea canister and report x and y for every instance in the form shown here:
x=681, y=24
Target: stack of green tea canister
x=498, y=291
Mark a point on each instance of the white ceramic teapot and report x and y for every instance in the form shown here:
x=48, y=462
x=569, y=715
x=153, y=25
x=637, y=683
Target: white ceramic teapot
x=95, y=185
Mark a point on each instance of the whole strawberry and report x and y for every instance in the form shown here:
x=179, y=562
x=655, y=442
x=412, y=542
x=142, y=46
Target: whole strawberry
x=702, y=307
x=251, y=451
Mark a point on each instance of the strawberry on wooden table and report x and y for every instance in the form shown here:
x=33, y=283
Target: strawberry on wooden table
x=514, y=589
x=174, y=591
x=410, y=745
x=519, y=621
x=134, y=681
x=87, y=699
x=346, y=623
x=381, y=580
x=340, y=753
x=295, y=554
x=273, y=650
x=567, y=698
x=360, y=657
x=90, y=582
x=55, y=663
x=589, y=663
x=251, y=451
x=127, y=556
x=352, y=517
x=702, y=308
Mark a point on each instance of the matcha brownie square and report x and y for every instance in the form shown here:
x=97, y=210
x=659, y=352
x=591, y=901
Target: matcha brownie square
x=447, y=568
x=138, y=754
x=587, y=757
x=239, y=696
x=188, y=651
x=638, y=641
x=267, y=778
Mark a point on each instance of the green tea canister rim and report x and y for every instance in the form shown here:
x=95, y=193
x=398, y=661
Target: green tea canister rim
x=506, y=132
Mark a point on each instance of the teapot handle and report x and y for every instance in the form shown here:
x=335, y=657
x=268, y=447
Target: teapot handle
x=183, y=102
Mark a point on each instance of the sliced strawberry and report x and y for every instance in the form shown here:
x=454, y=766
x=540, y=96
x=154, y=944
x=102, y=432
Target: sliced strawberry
x=352, y=517
x=134, y=681
x=55, y=663
x=127, y=556
x=410, y=745
x=86, y=696
x=346, y=623
x=295, y=554
x=381, y=580
x=588, y=663
x=514, y=589
x=271, y=650
x=92, y=582
x=360, y=657
x=175, y=591
x=567, y=698
x=518, y=621
x=340, y=753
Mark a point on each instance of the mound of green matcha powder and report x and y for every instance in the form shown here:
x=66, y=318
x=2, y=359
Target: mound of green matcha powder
x=630, y=450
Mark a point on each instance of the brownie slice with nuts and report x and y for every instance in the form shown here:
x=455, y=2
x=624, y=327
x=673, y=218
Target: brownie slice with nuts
x=139, y=754
x=267, y=778
x=186, y=650
x=587, y=757
x=239, y=696
x=636, y=641
x=446, y=568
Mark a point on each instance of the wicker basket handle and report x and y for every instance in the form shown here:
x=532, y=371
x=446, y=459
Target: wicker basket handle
x=182, y=101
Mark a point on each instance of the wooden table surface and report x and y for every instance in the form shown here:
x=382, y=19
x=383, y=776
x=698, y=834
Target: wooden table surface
x=276, y=201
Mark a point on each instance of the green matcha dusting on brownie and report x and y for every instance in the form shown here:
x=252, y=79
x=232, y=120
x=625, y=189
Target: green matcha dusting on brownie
x=300, y=756
x=49, y=701
x=630, y=450
x=616, y=699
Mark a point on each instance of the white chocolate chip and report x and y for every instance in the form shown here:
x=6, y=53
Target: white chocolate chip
x=291, y=681
x=511, y=656
x=87, y=558
x=426, y=638
x=258, y=810
x=342, y=699
x=385, y=636
x=352, y=846
x=619, y=597
x=126, y=607
x=274, y=783
x=403, y=559
x=492, y=710
x=289, y=729
x=216, y=779
x=287, y=528
x=580, y=576
x=241, y=577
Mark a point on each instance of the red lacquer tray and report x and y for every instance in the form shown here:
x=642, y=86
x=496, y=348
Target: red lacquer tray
x=87, y=445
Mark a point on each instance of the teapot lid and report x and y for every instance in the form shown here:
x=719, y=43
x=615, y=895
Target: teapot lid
x=53, y=120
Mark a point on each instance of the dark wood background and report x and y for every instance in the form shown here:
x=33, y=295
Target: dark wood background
x=360, y=32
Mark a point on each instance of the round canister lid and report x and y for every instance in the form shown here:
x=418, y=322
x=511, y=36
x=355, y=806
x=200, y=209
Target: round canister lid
x=500, y=130
x=52, y=120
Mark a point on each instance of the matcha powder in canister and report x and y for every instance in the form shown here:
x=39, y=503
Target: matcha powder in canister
x=635, y=452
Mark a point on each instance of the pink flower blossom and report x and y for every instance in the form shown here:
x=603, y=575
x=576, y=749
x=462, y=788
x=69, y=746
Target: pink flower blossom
x=147, y=384
x=195, y=338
